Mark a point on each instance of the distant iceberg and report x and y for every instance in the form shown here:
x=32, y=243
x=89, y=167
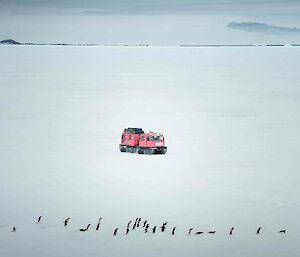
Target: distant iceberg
x=263, y=28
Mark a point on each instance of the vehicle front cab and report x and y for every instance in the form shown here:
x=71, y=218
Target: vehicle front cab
x=152, y=143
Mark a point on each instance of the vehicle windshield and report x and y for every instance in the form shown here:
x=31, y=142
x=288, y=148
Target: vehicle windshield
x=157, y=137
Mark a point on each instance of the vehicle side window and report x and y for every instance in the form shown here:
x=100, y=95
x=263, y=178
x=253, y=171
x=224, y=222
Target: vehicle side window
x=142, y=138
x=130, y=137
x=123, y=137
x=148, y=138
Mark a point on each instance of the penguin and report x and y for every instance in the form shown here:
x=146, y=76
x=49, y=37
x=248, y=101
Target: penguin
x=99, y=221
x=135, y=223
x=190, y=231
x=14, y=229
x=144, y=224
x=138, y=222
x=163, y=227
x=127, y=230
x=66, y=221
x=173, y=231
x=231, y=230
x=115, y=232
x=258, y=231
x=134, y=226
x=98, y=226
x=128, y=224
x=85, y=229
x=39, y=219
x=146, y=228
x=153, y=229
x=212, y=232
x=282, y=231
x=199, y=233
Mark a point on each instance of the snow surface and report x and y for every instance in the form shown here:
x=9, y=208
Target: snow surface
x=231, y=121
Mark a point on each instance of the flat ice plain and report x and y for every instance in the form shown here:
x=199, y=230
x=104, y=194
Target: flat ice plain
x=231, y=121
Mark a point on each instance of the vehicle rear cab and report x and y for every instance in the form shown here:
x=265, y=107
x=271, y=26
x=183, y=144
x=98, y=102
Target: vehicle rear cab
x=151, y=143
x=130, y=139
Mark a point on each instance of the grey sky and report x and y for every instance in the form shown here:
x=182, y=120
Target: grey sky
x=154, y=6
x=161, y=22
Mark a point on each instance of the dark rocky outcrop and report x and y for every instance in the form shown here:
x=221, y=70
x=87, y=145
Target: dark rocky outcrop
x=9, y=42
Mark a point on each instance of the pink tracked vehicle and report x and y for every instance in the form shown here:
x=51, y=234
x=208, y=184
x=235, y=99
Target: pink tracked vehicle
x=134, y=139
